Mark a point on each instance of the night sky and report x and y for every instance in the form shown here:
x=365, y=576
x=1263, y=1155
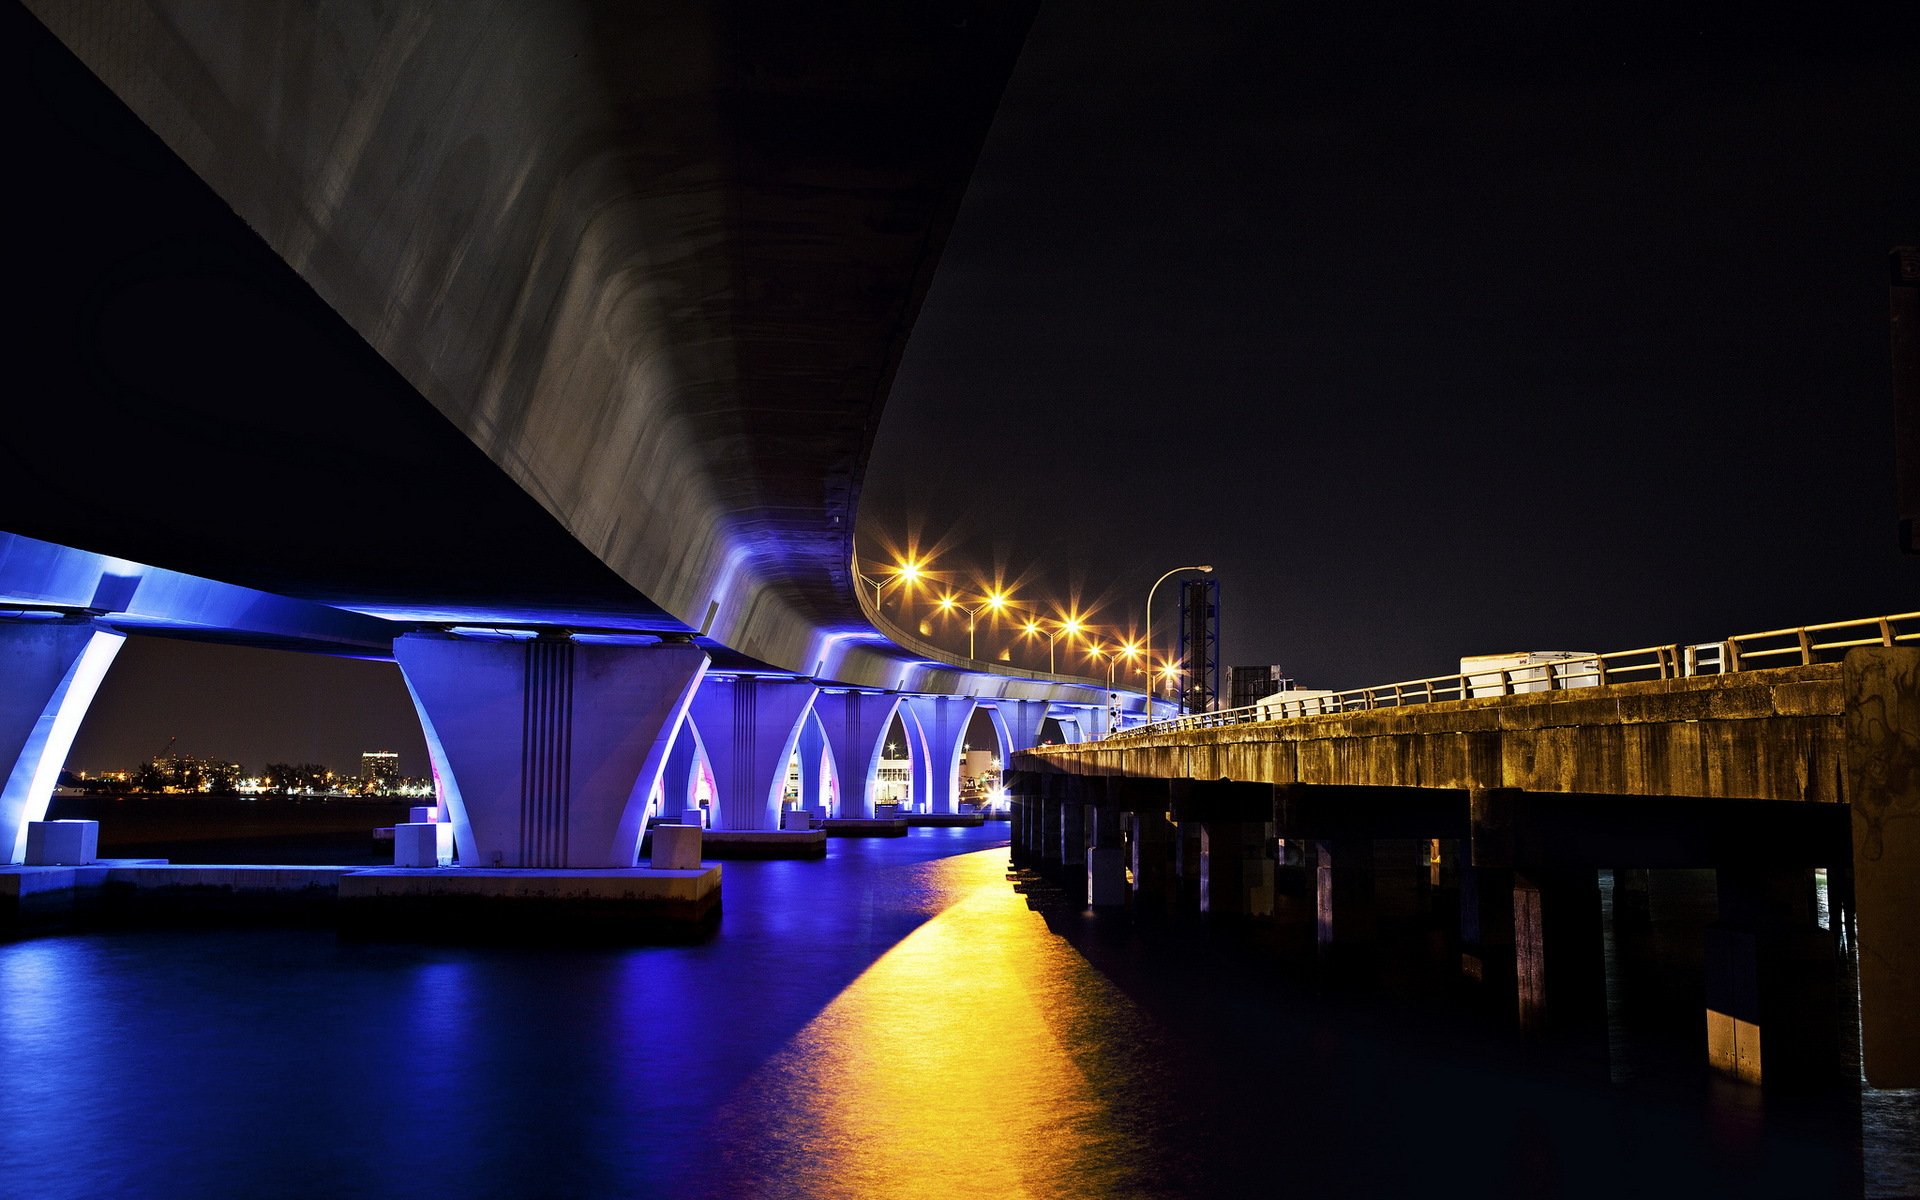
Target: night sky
x=1438, y=334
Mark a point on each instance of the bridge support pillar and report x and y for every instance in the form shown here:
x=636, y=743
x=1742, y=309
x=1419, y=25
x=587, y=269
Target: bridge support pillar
x=812, y=749
x=1882, y=689
x=1486, y=923
x=751, y=726
x=1344, y=912
x=1632, y=896
x=1053, y=803
x=942, y=725
x=856, y=726
x=1187, y=830
x=49, y=671
x=1236, y=868
x=1772, y=991
x=1106, y=856
x=548, y=749
x=679, y=778
x=1154, y=884
x=1399, y=879
x=1021, y=811
x=1073, y=827
x=1559, y=956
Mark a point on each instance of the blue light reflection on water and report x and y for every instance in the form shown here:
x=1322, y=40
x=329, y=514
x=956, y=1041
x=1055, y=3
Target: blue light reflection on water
x=285, y=1062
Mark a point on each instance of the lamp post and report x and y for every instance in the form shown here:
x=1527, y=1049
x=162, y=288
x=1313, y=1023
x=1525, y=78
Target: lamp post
x=1205, y=569
x=995, y=601
x=1070, y=626
x=907, y=570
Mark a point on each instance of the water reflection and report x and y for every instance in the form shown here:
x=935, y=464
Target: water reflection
x=968, y=1060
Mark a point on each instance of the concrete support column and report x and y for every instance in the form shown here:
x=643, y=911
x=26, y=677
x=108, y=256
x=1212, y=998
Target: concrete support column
x=1073, y=826
x=855, y=724
x=1053, y=803
x=1882, y=689
x=750, y=725
x=1486, y=887
x=1106, y=856
x=1632, y=896
x=943, y=730
x=812, y=748
x=49, y=671
x=1154, y=880
x=679, y=777
x=1772, y=988
x=1399, y=879
x=1559, y=955
x=1018, y=723
x=1486, y=923
x=1236, y=868
x=1343, y=896
x=548, y=749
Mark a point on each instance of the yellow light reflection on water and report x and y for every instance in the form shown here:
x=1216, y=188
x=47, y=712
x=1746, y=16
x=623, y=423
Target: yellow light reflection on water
x=969, y=1060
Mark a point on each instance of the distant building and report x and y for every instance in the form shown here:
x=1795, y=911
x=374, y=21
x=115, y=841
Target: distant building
x=1247, y=685
x=380, y=771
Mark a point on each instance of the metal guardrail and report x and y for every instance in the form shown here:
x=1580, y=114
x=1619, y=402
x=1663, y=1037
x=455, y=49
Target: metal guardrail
x=1803, y=645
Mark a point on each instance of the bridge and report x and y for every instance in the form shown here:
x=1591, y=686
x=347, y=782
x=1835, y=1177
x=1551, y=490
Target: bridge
x=1764, y=757
x=455, y=339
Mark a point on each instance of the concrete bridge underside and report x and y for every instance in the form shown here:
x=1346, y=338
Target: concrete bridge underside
x=576, y=314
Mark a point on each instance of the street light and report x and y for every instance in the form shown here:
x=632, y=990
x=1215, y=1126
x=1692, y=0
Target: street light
x=1207, y=570
x=908, y=571
x=1127, y=650
x=996, y=601
x=1068, y=627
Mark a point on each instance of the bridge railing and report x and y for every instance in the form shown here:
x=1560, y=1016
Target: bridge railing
x=1803, y=645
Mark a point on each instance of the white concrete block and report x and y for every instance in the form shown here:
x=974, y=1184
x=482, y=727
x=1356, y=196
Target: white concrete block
x=693, y=814
x=796, y=819
x=421, y=814
x=676, y=847
x=62, y=843
x=422, y=844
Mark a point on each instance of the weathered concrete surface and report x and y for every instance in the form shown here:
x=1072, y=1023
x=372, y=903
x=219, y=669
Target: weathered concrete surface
x=1772, y=734
x=1883, y=735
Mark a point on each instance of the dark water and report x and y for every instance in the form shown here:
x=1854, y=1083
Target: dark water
x=896, y=1020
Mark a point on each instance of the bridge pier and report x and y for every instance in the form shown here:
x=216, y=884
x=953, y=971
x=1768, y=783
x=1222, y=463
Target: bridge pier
x=855, y=725
x=1073, y=827
x=1559, y=955
x=49, y=671
x=1772, y=1002
x=548, y=749
x=941, y=726
x=1106, y=856
x=1236, y=868
x=1053, y=803
x=1345, y=917
x=751, y=725
x=679, y=778
x=811, y=746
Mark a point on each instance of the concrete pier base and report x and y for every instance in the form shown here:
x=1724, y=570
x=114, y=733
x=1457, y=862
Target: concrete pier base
x=637, y=904
x=1772, y=995
x=764, y=843
x=869, y=827
x=1486, y=924
x=1151, y=844
x=1344, y=915
x=1559, y=955
x=1236, y=868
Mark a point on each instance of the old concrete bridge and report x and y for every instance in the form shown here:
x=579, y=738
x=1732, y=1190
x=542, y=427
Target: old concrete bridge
x=1519, y=800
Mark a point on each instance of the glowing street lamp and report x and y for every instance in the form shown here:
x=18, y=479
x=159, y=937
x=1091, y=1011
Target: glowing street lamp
x=996, y=601
x=908, y=571
x=1208, y=569
x=1069, y=628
